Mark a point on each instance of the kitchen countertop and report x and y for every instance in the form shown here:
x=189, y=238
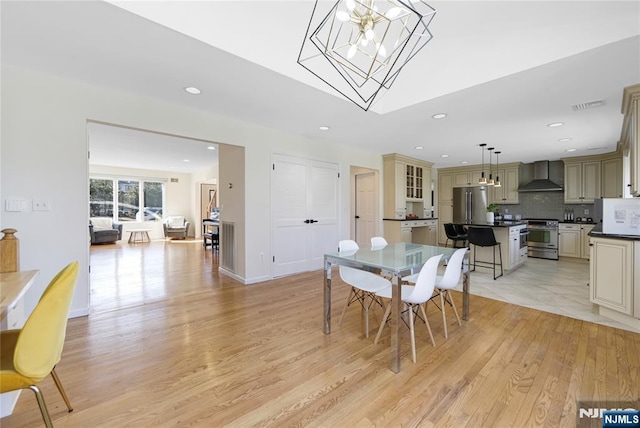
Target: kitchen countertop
x=409, y=219
x=597, y=233
x=576, y=222
x=497, y=224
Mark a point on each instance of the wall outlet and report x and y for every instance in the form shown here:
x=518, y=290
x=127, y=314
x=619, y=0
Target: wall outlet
x=41, y=205
x=586, y=211
x=506, y=210
x=261, y=256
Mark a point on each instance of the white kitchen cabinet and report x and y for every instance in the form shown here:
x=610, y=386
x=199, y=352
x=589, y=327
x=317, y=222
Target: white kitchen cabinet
x=445, y=215
x=445, y=187
x=469, y=177
x=630, y=137
x=582, y=181
x=611, y=276
x=612, y=178
x=405, y=181
x=584, y=240
x=419, y=231
x=508, y=192
x=569, y=240
x=573, y=240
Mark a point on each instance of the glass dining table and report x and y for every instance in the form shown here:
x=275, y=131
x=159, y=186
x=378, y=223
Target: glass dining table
x=393, y=261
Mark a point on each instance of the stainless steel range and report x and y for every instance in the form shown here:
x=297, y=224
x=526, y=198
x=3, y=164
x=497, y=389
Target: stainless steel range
x=543, y=238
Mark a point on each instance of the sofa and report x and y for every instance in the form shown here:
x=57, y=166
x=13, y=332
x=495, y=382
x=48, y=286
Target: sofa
x=103, y=230
x=175, y=227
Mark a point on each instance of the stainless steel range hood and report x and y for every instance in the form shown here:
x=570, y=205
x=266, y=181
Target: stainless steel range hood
x=540, y=182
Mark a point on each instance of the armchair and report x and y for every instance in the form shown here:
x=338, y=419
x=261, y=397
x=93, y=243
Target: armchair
x=104, y=231
x=175, y=227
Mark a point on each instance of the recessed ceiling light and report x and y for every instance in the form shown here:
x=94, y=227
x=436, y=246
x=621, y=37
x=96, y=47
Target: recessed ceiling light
x=563, y=140
x=555, y=124
x=444, y=156
x=439, y=116
x=464, y=162
x=186, y=160
x=211, y=147
x=571, y=150
x=324, y=128
x=418, y=147
x=193, y=90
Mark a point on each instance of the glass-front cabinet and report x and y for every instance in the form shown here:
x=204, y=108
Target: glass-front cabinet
x=414, y=182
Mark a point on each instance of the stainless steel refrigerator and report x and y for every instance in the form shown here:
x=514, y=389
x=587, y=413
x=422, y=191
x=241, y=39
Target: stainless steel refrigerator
x=470, y=205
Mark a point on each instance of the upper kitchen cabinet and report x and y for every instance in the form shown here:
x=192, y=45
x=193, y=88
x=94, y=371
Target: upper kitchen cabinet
x=464, y=177
x=581, y=180
x=406, y=180
x=630, y=137
x=612, y=178
x=507, y=193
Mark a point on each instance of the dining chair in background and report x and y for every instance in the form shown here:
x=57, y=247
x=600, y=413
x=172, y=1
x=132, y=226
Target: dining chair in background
x=414, y=298
x=29, y=354
x=378, y=242
x=363, y=284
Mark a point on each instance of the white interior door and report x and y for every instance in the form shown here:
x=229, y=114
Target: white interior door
x=304, y=197
x=365, y=211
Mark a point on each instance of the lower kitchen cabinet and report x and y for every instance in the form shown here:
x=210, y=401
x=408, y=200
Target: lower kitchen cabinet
x=614, y=278
x=417, y=231
x=573, y=240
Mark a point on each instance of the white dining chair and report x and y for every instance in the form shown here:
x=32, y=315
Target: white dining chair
x=414, y=298
x=363, y=284
x=378, y=242
x=446, y=282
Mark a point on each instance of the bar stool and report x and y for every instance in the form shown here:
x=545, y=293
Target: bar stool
x=484, y=237
x=453, y=235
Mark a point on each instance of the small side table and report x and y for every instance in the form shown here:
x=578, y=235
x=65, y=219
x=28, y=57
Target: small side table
x=139, y=235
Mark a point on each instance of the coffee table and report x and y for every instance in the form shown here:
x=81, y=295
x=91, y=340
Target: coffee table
x=139, y=235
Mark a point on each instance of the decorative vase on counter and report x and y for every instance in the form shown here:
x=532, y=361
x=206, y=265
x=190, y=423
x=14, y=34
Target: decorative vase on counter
x=490, y=217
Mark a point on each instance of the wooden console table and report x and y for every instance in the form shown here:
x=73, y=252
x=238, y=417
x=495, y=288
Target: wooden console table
x=13, y=286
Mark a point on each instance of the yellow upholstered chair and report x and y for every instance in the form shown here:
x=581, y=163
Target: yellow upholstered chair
x=28, y=355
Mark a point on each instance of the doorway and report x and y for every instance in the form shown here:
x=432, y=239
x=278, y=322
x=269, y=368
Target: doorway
x=365, y=205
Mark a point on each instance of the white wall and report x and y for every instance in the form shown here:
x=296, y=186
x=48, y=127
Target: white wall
x=44, y=155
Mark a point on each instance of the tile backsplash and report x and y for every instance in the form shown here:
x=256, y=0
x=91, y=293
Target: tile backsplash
x=545, y=204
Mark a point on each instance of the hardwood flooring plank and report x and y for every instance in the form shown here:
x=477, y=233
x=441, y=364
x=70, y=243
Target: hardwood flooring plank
x=171, y=342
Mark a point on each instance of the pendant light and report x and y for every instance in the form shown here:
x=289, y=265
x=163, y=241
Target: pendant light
x=498, y=184
x=490, y=182
x=482, y=179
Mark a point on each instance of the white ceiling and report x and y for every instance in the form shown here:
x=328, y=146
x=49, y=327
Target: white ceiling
x=501, y=70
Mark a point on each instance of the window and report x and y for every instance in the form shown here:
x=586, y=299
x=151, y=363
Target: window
x=127, y=204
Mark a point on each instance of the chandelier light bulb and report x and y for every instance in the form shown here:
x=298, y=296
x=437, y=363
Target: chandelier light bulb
x=369, y=34
x=351, y=4
x=381, y=50
x=364, y=42
x=352, y=51
x=393, y=12
x=342, y=16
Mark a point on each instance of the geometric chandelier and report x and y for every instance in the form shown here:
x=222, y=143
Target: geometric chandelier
x=358, y=47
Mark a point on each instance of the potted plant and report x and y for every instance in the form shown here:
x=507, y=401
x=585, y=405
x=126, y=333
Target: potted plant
x=491, y=212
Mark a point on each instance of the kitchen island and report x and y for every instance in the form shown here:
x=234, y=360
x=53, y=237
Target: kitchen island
x=614, y=276
x=512, y=237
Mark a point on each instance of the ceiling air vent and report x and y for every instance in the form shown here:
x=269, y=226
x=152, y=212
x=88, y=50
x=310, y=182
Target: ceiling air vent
x=589, y=105
x=174, y=180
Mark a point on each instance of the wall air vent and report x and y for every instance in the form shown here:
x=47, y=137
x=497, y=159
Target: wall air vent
x=174, y=180
x=589, y=105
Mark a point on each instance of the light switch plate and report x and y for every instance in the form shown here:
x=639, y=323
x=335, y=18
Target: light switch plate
x=15, y=204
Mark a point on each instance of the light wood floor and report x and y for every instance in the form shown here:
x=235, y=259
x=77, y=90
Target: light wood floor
x=169, y=342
